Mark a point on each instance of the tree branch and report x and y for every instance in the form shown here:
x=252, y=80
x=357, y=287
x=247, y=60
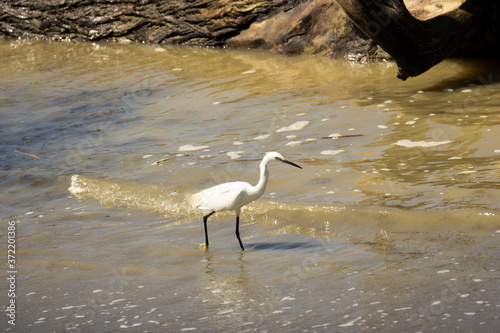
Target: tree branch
x=416, y=45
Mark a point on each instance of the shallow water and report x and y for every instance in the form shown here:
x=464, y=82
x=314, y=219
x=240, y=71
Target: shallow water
x=392, y=224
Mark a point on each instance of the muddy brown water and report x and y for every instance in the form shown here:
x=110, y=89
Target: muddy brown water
x=393, y=223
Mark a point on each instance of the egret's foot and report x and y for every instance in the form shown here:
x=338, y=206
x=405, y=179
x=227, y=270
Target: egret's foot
x=204, y=246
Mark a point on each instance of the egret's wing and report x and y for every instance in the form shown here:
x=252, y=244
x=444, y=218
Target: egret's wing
x=227, y=196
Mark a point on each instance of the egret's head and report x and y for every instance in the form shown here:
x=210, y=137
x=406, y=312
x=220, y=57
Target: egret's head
x=273, y=155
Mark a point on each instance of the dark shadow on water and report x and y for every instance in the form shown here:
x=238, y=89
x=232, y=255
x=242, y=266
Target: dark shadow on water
x=481, y=72
x=280, y=246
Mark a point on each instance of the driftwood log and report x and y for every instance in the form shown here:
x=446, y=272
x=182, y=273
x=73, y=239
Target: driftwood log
x=286, y=26
x=190, y=22
x=417, y=33
x=417, y=45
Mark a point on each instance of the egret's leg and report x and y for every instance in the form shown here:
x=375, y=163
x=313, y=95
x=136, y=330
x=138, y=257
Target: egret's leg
x=238, y=231
x=205, y=218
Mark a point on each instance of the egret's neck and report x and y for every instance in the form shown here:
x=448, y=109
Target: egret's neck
x=264, y=176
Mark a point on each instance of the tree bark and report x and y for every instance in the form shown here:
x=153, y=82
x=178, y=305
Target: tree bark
x=191, y=22
x=313, y=27
x=417, y=42
x=418, y=45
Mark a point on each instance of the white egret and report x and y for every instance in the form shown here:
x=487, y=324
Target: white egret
x=234, y=195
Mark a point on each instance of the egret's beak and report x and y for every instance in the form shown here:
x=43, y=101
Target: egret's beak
x=291, y=163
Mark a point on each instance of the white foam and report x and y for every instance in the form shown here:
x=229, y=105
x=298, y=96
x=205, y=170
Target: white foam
x=191, y=148
x=75, y=188
x=235, y=154
x=466, y=172
x=294, y=143
x=350, y=323
x=332, y=152
x=117, y=300
x=225, y=311
x=297, y=126
x=424, y=144
x=262, y=137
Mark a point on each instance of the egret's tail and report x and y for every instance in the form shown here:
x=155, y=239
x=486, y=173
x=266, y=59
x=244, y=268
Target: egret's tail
x=194, y=200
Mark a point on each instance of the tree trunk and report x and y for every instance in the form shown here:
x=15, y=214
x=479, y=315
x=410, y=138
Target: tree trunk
x=418, y=45
x=191, y=22
x=314, y=27
x=287, y=26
